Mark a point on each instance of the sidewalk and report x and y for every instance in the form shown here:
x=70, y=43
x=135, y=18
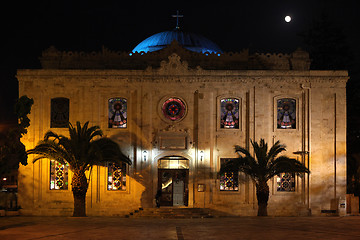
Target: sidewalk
x=263, y=228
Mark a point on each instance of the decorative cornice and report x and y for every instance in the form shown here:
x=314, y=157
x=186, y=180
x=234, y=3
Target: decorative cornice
x=174, y=69
x=173, y=129
x=169, y=71
x=106, y=59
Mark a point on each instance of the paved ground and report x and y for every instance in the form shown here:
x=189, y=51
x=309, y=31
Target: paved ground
x=211, y=228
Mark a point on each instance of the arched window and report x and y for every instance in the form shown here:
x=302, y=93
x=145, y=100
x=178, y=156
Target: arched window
x=117, y=113
x=59, y=113
x=229, y=113
x=286, y=113
x=116, y=177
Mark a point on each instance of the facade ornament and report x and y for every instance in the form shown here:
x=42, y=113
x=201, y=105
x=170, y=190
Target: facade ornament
x=174, y=65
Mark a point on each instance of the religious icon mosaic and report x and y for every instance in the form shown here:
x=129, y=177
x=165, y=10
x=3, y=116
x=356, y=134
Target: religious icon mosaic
x=229, y=181
x=286, y=182
x=286, y=113
x=229, y=113
x=117, y=113
x=116, y=176
x=174, y=109
x=59, y=113
x=58, y=176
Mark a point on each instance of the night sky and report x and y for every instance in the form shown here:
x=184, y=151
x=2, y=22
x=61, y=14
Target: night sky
x=27, y=28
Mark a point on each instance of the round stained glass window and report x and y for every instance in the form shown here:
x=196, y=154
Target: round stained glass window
x=174, y=109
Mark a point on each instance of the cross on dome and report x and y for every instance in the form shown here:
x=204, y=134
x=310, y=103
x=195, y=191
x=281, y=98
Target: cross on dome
x=191, y=41
x=177, y=15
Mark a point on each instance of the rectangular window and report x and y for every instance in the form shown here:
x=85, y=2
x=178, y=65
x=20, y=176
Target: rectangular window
x=286, y=182
x=58, y=176
x=59, y=113
x=116, y=176
x=286, y=113
x=229, y=181
x=117, y=113
x=229, y=113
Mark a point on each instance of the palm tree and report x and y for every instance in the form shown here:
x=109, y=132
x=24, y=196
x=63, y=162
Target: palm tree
x=81, y=151
x=263, y=166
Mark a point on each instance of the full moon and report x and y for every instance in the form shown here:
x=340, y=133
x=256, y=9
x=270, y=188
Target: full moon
x=287, y=19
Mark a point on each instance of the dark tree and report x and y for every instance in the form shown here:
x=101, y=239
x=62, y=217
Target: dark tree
x=264, y=165
x=12, y=150
x=84, y=148
x=327, y=45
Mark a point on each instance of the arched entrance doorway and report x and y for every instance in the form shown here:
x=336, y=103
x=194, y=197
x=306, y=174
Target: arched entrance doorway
x=173, y=180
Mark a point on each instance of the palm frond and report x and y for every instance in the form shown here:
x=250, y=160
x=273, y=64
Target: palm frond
x=260, y=151
x=230, y=166
x=275, y=150
x=82, y=130
x=251, y=168
x=80, y=150
x=285, y=164
x=106, y=150
x=239, y=150
x=247, y=165
x=94, y=132
x=72, y=131
x=264, y=164
x=51, y=134
x=51, y=150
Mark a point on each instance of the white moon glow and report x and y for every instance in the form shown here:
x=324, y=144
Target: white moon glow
x=287, y=19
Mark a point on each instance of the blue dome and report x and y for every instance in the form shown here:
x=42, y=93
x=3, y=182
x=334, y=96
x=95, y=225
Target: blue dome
x=190, y=41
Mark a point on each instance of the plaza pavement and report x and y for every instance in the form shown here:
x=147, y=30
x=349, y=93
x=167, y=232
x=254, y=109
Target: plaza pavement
x=207, y=228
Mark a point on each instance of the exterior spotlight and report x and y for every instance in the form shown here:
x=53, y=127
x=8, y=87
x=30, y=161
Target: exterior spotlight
x=201, y=155
x=145, y=156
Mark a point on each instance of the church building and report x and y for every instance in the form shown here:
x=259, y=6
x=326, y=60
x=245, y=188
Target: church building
x=177, y=105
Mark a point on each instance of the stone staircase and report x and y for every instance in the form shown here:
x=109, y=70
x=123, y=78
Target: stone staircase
x=173, y=212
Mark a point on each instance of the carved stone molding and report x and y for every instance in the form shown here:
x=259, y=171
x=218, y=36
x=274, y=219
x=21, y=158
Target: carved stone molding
x=171, y=138
x=174, y=66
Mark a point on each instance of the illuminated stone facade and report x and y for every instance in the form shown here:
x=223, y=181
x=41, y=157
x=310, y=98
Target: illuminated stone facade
x=184, y=113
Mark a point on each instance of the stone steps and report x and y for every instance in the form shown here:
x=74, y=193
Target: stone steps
x=171, y=212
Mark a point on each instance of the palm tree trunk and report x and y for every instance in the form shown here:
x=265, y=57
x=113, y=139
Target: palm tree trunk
x=262, y=194
x=79, y=188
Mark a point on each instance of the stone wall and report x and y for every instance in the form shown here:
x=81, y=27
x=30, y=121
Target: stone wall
x=320, y=130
